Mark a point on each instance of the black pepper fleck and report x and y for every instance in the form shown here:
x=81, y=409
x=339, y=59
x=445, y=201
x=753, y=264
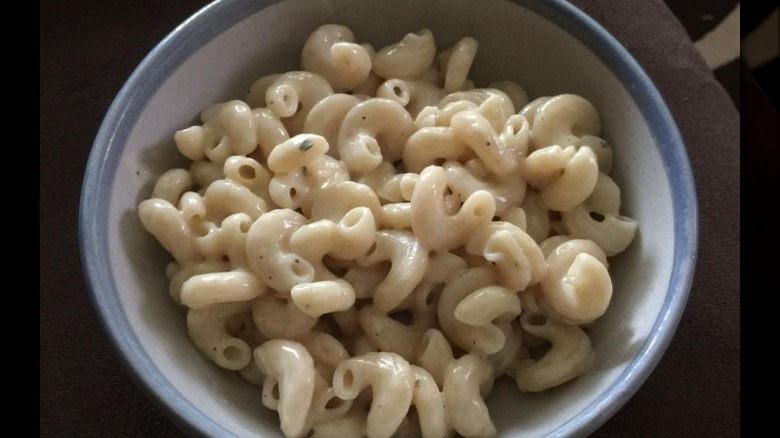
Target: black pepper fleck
x=306, y=145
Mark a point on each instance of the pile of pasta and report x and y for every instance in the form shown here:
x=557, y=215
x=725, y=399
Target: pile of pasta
x=373, y=240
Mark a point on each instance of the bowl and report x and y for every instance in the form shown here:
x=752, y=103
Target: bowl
x=549, y=47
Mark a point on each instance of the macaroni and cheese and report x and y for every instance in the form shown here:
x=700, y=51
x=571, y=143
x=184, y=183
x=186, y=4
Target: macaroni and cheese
x=374, y=240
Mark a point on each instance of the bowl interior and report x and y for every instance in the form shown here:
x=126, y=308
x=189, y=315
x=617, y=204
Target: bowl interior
x=546, y=47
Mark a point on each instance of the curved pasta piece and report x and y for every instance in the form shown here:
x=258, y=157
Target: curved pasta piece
x=485, y=305
x=543, y=166
x=361, y=344
x=365, y=278
x=605, y=198
x=397, y=90
x=407, y=58
x=204, y=172
x=434, y=353
x=172, y=184
x=530, y=109
x=228, y=240
x=567, y=358
x=388, y=184
x=373, y=131
x=255, y=97
x=465, y=179
x=207, y=328
x=443, y=266
x=422, y=304
x=269, y=132
x=203, y=290
x=227, y=129
x=492, y=103
x=391, y=380
x=414, y=95
x=224, y=197
x=441, y=115
x=388, y=334
x=288, y=368
x=516, y=134
x=485, y=339
x=505, y=361
x=331, y=52
x=326, y=116
x=194, y=211
x=280, y=318
x=599, y=219
x=301, y=187
x=167, y=224
x=537, y=216
x=352, y=424
x=244, y=328
x=475, y=130
x=349, y=238
x=455, y=63
x=268, y=251
x=564, y=177
x=433, y=145
x=367, y=89
x=292, y=95
x=493, y=109
x=466, y=383
x=297, y=152
x=346, y=322
x=325, y=296
x=436, y=229
x=568, y=120
x=549, y=244
x=517, y=257
x=334, y=201
x=430, y=75
x=325, y=404
x=562, y=120
x=601, y=148
x=531, y=306
x=577, y=288
x=326, y=351
x=612, y=232
x=429, y=403
x=515, y=216
x=177, y=274
x=249, y=173
x=408, y=264
x=396, y=216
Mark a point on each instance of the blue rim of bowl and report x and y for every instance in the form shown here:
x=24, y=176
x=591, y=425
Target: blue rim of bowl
x=220, y=15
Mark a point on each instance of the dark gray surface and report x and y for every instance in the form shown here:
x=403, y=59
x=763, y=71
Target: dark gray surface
x=88, y=50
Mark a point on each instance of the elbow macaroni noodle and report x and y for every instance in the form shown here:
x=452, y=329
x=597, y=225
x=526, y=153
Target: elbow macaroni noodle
x=373, y=240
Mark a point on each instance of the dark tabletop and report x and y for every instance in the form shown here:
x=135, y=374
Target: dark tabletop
x=88, y=50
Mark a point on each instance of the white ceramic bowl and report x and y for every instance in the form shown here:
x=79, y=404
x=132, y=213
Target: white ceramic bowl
x=547, y=46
